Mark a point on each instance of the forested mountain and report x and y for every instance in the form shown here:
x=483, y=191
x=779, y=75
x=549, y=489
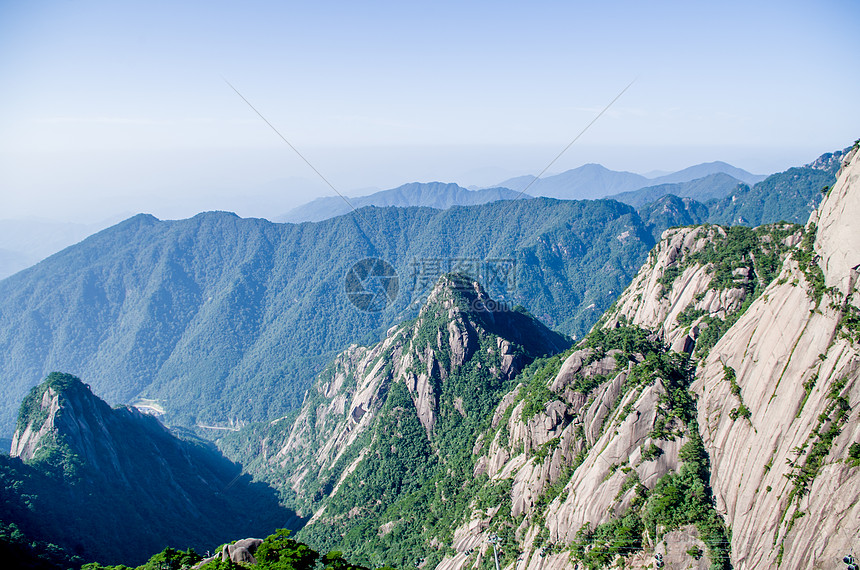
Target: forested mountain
x=218, y=317
x=433, y=195
x=706, y=421
x=113, y=485
x=711, y=187
x=398, y=420
x=785, y=196
x=670, y=211
x=25, y=242
x=222, y=319
x=591, y=181
x=789, y=196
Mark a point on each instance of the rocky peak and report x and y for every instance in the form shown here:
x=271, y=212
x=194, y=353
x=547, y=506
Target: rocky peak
x=838, y=233
x=457, y=297
x=775, y=311
x=130, y=484
x=698, y=279
x=775, y=400
x=62, y=413
x=624, y=447
x=445, y=370
x=830, y=161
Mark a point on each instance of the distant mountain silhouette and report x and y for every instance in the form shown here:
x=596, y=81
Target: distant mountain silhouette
x=588, y=182
x=593, y=181
x=706, y=169
x=431, y=194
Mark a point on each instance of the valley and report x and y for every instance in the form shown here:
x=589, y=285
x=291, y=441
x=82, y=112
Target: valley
x=675, y=428
x=429, y=286
x=645, y=392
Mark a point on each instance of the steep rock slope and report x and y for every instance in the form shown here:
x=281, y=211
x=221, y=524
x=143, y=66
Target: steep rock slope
x=699, y=279
x=718, y=393
x=551, y=465
x=114, y=485
x=581, y=459
x=785, y=477
x=389, y=423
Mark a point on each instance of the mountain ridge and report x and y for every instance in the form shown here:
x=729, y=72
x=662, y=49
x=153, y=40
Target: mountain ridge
x=594, y=181
x=431, y=194
x=132, y=485
x=439, y=374
x=208, y=313
x=645, y=441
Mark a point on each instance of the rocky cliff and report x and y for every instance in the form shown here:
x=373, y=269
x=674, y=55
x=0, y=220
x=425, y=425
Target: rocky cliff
x=399, y=417
x=785, y=476
x=114, y=485
x=708, y=420
x=771, y=317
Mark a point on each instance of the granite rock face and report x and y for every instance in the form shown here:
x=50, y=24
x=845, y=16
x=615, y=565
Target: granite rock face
x=763, y=323
x=454, y=330
x=782, y=478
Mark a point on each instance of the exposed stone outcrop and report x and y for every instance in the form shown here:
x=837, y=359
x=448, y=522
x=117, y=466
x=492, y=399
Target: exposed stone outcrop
x=675, y=282
x=646, y=302
x=241, y=551
x=792, y=365
x=609, y=431
x=451, y=328
x=788, y=360
x=586, y=440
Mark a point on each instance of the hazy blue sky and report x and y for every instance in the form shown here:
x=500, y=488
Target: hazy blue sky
x=113, y=107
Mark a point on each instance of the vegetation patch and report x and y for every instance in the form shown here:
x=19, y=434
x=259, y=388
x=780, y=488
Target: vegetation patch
x=807, y=260
x=686, y=497
x=819, y=441
x=536, y=393
x=849, y=324
x=854, y=454
x=741, y=411
x=651, y=453
x=598, y=547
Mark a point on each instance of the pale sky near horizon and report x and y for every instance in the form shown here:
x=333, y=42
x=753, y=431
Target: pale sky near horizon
x=110, y=108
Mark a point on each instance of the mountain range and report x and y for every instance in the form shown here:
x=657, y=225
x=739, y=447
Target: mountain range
x=704, y=422
x=710, y=187
x=432, y=195
x=590, y=181
x=220, y=318
x=25, y=242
